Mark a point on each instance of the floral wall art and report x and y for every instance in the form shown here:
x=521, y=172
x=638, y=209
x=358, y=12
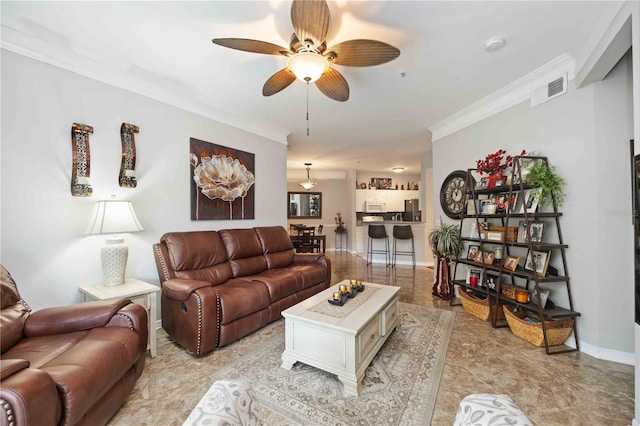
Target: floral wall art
x=221, y=183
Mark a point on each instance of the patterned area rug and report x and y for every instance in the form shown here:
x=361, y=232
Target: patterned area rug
x=400, y=385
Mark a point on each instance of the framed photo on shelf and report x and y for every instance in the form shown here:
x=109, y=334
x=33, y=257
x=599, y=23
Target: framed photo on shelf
x=488, y=257
x=511, y=262
x=484, y=182
x=522, y=232
x=529, y=200
x=544, y=295
x=472, y=252
x=484, y=206
x=491, y=281
x=538, y=262
x=535, y=231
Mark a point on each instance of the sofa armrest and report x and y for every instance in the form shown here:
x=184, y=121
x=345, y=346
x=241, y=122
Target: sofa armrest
x=64, y=319
x=179, y=289
x=134, y=317
x=8, y=367
x=29, y=395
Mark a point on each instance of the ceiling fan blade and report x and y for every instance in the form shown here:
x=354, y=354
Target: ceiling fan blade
x=277, y=82
x=254, y=46
x=334, y=85
x=310, y=20
x=362, y=53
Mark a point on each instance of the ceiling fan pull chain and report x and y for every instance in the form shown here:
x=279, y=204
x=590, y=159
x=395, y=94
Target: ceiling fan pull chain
x=307, y=107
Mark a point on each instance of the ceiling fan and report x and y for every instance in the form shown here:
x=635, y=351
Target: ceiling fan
x=309, y=57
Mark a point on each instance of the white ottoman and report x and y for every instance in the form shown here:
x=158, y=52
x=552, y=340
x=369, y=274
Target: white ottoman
x=484, y=409
x=226, y=403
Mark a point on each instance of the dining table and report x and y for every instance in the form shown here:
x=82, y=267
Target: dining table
x=321, y=239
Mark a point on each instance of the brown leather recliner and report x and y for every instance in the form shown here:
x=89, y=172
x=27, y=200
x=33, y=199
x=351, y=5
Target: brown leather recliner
x=73, y=365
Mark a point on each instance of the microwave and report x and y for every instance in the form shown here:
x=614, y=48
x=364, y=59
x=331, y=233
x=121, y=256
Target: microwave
x=374, y=206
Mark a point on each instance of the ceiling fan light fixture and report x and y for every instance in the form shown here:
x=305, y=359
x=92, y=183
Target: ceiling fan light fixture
x=308, y=184
x=307, y=66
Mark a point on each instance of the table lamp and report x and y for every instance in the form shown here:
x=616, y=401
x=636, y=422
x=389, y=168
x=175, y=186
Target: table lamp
x=113, y=217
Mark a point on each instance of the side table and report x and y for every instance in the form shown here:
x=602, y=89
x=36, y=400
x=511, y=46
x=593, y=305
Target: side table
x=138, y=292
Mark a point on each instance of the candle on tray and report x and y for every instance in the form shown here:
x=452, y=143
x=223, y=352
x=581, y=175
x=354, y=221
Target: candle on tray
x=343, y=288
x=336, y=296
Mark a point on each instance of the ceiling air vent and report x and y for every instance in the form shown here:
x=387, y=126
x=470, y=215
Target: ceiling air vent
x=549, y=90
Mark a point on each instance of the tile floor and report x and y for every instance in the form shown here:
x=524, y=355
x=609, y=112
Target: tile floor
x=564, y=389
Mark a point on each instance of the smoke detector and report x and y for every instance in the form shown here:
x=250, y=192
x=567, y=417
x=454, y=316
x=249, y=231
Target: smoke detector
x=493, y=44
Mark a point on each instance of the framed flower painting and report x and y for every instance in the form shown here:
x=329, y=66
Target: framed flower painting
x=221, y=182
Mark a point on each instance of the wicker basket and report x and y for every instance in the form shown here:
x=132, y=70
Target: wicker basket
x=479, y=307
x=511, y=234
x=557, y=331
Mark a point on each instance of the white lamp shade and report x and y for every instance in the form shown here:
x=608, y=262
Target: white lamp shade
x=110, y=217
x=307, y=66
x=113, y=216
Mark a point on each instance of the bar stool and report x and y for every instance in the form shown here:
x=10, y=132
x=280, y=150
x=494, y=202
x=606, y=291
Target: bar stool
x=377, y=232
x=403, y=232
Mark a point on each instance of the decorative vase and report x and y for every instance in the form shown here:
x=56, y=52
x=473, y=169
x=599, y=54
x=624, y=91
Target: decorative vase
x=494, y=178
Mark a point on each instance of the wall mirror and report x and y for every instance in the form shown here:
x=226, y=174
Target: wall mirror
x=304, y=205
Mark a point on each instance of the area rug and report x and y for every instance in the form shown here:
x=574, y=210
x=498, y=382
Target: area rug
x=399, y=388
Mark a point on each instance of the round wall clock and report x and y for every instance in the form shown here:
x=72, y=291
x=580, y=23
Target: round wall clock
x=453, y=194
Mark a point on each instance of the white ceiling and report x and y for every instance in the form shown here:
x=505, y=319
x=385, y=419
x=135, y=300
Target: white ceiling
x=386, y=120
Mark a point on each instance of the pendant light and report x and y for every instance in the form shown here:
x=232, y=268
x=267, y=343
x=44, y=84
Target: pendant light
x=308, y=184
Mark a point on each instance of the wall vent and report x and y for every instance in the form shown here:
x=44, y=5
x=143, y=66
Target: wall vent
x=548, y=90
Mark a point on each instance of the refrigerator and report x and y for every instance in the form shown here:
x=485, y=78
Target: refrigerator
x=411, y=210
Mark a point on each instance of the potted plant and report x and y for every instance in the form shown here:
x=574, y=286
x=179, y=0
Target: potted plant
x=547, y=182
x=446, y=245
x=494, y=165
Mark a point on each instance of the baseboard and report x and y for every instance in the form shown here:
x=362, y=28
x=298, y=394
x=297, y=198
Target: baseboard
x=627, y=358
x=635, y=422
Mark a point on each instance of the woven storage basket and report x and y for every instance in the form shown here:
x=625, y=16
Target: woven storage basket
x=511, y=234
x=479, y=307
x=557, y=331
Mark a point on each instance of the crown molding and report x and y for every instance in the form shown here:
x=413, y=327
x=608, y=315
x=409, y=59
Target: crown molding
x=20, y=41
x=505, y=98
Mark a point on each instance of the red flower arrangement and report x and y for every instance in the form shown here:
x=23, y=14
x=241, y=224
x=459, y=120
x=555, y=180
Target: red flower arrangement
x=495, y=164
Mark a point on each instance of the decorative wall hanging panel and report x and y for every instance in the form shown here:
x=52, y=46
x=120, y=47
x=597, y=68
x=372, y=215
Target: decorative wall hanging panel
x=127, y=176
x=81, y=167
x=221, y=183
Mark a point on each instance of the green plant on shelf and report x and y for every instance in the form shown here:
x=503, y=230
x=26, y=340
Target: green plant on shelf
x=548, y=182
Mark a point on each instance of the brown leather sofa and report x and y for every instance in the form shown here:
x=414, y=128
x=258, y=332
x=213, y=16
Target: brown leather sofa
x=218, y=286
x=73, y=365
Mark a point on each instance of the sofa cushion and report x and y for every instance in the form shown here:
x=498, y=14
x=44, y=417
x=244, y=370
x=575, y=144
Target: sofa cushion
x=83, y=364
x=280, y=282
x=240, y=297
x=276, y=245
x=198, y=255
x=312, y=274
x=244, y=251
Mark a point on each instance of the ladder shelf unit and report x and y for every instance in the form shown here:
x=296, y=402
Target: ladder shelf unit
x=528, y=274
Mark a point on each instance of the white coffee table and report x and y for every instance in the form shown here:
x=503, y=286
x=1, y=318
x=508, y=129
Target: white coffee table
x=341, y=339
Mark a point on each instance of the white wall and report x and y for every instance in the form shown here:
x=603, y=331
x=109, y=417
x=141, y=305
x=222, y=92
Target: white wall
x=572, y=131
x=42, y=239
